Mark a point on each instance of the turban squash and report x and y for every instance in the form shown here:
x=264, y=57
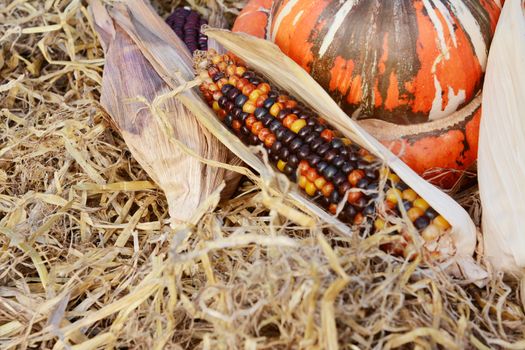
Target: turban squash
x=412, y=69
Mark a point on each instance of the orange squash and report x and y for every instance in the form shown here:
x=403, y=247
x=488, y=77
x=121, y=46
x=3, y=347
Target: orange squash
x=411, y=68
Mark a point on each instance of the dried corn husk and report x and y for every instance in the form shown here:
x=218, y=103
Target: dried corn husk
x=501, y=167
x=266, y=58
x=153, y=125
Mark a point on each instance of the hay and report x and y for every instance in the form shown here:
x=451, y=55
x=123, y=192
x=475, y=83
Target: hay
x=87, y=258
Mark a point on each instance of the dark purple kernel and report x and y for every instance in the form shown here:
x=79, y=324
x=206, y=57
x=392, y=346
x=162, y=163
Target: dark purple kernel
x=402, y=186
x=330, y=155
x=363, y=183
x=288, y=169
x=243, y=117
x=241, y=100
x=312, y=137
x=233, y=93
x=422, y=222
x=319, y=128
x=362, y=164
x=259, y=112
x=226, y=87
x=305, y=131
x=217, y=77
x=431, y=213
x=310, y=122
x=337, y=143
x=267, y=120
x=254, y=140
x=289, y=136
x=296, y=144
x=345, y=186
x=273, y=94
x=274, y=126
x=335, y=197
x=339, y=179
x=268, y=103
x=304, y=151
x=324, y=201
x=228, y=106
x=245, y=131
x=316, y=143
x=280, y=132
x=407, y=204
x=236, y=112
x=349, y=212
x=248, y=75
x=370, y=210
x=228, y=120
x=284, y=154
x=323, y=149
x=276, y=147
x=372, y=173
x=313, y=160
x=222, y=101
x=322, y=166
x=329, y=172
x=338, y=161
x=293, y=160
x=347, y=167
x=283, y=113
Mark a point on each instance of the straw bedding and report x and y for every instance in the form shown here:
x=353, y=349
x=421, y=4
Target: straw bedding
x=88, y=261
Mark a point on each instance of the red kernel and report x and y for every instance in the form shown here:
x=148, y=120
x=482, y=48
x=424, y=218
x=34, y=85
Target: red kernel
x=289, y=120
x=327, y=134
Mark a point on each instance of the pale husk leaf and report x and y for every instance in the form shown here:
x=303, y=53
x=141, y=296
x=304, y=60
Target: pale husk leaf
x=501, y=167
x=153, y=127
x=266, y=58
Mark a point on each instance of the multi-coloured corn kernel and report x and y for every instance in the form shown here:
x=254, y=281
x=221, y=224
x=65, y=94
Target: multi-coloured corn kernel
x=187, y=24
x=326, y=166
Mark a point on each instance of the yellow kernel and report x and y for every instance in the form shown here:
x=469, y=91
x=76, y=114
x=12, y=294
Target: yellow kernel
x=240, y=70
x=302, y=181
x=248, y=107
x=275, y=109
x=409, y=195
x=441, y=222
x=216, y=106
x=216, y=59
x=369, y=158
x=431, y=232
x=320, y=182
x=414, y=213
x=310, y=188
x=346, y=141
x=254, y=95
x=280, y=165
x=230, y=70
x=379, y=224
x=394, y=178
x=222, y=66
x=421, y=203
x=298, y=125
x=393, y=194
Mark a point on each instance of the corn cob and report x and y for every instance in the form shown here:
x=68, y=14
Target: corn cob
x=187, y=24
x=329, y=168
